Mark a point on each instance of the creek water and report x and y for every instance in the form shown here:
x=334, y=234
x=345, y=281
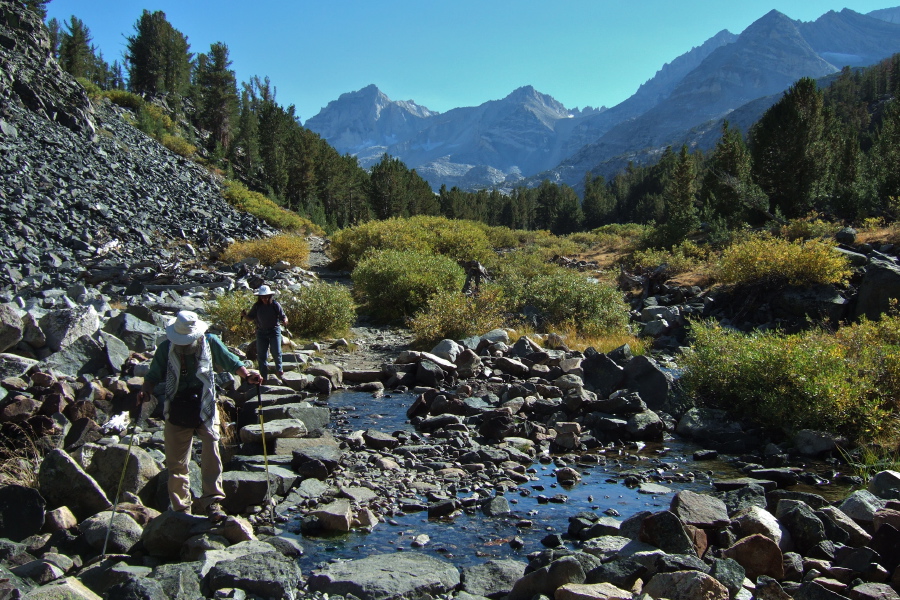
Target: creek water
x=474, y=538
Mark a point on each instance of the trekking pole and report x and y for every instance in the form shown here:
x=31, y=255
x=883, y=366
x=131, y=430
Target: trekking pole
x=119, y=421
x=262, y=430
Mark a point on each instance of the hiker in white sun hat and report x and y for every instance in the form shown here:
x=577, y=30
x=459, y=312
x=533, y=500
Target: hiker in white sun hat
x=185, y=362
x=269, y=317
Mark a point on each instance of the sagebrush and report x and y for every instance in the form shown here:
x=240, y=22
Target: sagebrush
x=290, y=248
x=454, y=315
x=773, y=262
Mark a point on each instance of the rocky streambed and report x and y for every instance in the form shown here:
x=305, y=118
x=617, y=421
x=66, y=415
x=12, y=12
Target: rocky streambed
x=488, y=467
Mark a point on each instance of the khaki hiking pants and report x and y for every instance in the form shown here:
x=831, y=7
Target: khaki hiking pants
x=178, y=456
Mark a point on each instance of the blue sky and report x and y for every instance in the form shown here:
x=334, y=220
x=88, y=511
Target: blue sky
x=444, y=53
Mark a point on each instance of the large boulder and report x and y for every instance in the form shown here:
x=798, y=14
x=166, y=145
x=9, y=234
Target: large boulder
x=278, y=429
x=886, y=485
x=758, y=555
x=106, y=466
x=700, y=510
x=11, y=327
x=819, y=302
x=64, y=326
x=22, y=512
x=62, y=482
x=666, y=531
x=123, y=535
x=138, y=335
x=13, y=365
x=410, y=576
x=879, y=286
x=644, y=376
x=685, y=585
x=266, y=574
x=166, y=534
x=493, y=578
x=81, y=356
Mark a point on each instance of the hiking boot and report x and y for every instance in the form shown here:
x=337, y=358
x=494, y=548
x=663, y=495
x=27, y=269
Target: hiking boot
x=215, y=512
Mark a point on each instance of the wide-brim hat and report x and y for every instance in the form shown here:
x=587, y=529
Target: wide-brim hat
x=264, y=290
x=186, y=328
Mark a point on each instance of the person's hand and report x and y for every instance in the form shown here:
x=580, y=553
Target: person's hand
x=143, y=396
x=254, y=378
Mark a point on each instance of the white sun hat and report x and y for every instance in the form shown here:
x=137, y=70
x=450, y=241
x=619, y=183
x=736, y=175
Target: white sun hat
x=186, y=328
x=264, y=290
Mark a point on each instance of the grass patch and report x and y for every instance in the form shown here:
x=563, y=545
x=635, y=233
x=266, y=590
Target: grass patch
x=124, y=99
x=395, y=284
x=290, y=248
x=686, y=257
x=453, y=315
x=815, y=379
x=20, y=459
x=178, y=145
x=772, y=262
x=261, y=207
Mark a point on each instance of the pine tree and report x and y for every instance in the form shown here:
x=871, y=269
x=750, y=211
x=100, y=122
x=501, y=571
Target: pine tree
x=53, y=30
x=38, y=6
x=217, y=91
x=791, y=158
x=680, y=194
x=75, y=54
x=158, y=57
x=599, y=202
x=728, y=172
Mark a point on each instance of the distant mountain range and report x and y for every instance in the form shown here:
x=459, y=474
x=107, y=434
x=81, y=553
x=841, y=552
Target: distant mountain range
x=528, y=136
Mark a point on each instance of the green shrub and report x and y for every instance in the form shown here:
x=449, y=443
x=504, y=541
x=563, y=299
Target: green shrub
x=686, y=256
x=457, y=239
x=454, y=315
x=395, y=284
x=810, y=380
x=290, y=248
x=225, y=313
x=323, y=309
x=125, y=99
x=773, y=262
x=564, y=298
x=92, y=89
x=178, y=145
x=807, y=228
x=261, y=207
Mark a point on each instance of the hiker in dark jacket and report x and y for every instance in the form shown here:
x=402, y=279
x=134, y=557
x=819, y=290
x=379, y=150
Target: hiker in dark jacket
x=269, y=318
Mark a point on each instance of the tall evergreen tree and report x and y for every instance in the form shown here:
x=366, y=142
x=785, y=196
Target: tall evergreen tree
x=76, y=56
x=680, y=194
x=38, y=6
x=158, y=55
x=599, y=202
x=728, y=173
x=53, y=29
x=217, y=92
x=791, y=159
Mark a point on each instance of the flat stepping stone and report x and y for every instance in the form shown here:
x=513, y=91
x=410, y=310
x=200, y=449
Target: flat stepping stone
x=727, y=485
x=654, y=489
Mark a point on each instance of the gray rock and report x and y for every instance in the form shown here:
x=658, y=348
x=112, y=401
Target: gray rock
x=496, y=506
x=729, y=573
x=699, y=510
x=62, y=482
x=143, y=588
x=879, y=286
x=886, y=485
x=603, y=375
x=755, y=519
x=269, y=574
x=861, y=506
x=313, y=417
x=822, y=302
x=645, y=426
x=107, y=463
x=806, y=528
x=248, y=488
x=166, y=534
x=493, y=578
x=62, y=327
x=81, y=356
x=644, y=376
x=666, y=531
x=448, y=350
x=495, y=336
x=685, y=585
x=467, y=364
x=282, y=428
x=11, y=327
x=137, y=334
x=511, y=366
x=622, y=571
x=13, y=365
x=124, y=533
x=179, y=581
x=408, y=576
x=548, y=579
x=809, y=442
x=22, y=512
